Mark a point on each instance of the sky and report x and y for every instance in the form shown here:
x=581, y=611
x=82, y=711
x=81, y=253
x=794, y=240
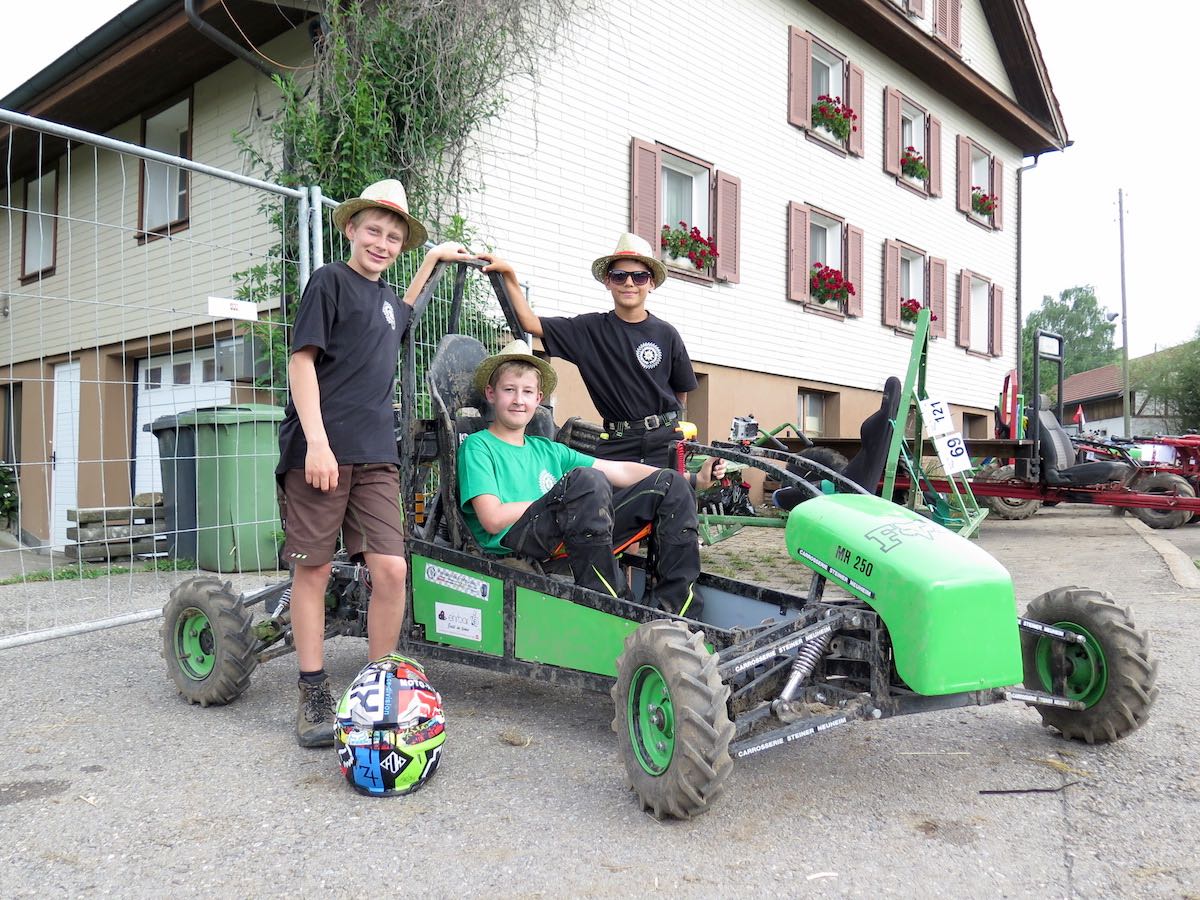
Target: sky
x=1125, y=129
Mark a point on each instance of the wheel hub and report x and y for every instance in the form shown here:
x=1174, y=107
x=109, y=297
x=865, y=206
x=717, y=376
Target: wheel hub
x=1084, y=670
x=195, y=644
x=651, y=716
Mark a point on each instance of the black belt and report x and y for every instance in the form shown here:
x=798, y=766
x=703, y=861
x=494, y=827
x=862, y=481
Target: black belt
x=647, y=424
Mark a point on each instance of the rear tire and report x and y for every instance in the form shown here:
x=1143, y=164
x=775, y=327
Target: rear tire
x=1163, y=483
x=672, y=720
x=1008, y=507
x=206, y=641
x=1112, y=672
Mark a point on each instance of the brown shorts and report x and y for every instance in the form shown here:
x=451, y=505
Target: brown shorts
x=365, y=507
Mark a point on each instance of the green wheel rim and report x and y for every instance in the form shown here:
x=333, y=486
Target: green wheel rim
x=651, y=720
x=1087, y=669
x=195, y=644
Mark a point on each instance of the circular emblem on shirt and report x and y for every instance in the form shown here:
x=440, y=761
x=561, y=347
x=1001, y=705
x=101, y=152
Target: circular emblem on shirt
x=546, y=481
x=389, y=314
x=649, y=355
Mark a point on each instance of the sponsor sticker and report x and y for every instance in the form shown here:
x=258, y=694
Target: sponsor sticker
x=458, y=621
x=457, y=581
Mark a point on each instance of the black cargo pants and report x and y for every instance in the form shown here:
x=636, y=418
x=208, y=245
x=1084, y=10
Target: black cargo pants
x=588, y=517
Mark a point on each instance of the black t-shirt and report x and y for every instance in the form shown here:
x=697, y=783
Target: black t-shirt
x=630, y=370
x=356, y=324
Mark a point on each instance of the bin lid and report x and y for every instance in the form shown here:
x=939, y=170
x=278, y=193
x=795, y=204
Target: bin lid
x=229, y=415
x=162, y=423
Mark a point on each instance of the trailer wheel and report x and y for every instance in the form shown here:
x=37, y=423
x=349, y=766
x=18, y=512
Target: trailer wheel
x=1007, y=507
x=1163, y=483
x=207, y=642
x=671, y=720
x=1112, y=672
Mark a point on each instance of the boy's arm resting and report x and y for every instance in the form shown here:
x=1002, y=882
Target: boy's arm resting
x=320, y=465
x=495, y=516
x=450, y=251
x=623, y=473
x=525, y=314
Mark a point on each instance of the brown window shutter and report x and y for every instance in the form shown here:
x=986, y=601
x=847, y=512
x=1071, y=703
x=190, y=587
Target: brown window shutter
x=799, y=71
x=934, y=155
x=854, y=269
x=998, y=192
x=727, y=211
x=955, y=24
x=891, y=131
x=855, y=90
x=997, y=320
x=941, y=19
x=891, y=283
x=937, y=296
x=645, y=198
x=964, y=309
x=797, y=288
x=917, y=8
x=964, y=174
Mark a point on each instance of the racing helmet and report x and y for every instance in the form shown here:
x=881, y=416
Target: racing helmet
x=390, y=728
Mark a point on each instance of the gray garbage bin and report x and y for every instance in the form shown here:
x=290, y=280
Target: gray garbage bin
x=177, y=460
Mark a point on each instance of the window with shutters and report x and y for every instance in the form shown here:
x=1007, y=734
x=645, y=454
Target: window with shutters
x=913, y=280
x=980, y=314
x=163, y=196
x=825, y=93
x=947, y=25
x=980, y=184
x=825, y=262
x=912, y=139
x=669, y=186
x=40, y=239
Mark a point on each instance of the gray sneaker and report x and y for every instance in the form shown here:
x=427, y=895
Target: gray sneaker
x=315, y=717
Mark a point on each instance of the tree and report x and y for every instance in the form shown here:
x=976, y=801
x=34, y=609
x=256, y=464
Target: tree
x=1168, y=382
x=1086, y=331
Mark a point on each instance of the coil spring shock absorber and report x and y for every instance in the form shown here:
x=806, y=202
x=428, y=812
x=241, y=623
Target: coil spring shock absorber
x=806, y=660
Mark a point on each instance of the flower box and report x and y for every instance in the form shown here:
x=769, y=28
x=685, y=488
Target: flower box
x=912, y=165
x=835, y=118
x=909, y=310
x=686, y=248
x=982, y=204
x=827, y=287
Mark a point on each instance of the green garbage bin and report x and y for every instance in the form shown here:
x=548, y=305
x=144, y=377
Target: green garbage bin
x=237, y=514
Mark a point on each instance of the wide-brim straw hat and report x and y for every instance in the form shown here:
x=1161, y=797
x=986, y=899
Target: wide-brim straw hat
x=387, y=194
x=517, y=351
x=630, y=246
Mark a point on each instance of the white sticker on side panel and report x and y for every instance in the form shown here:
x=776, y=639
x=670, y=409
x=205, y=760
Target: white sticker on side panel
x=952, y=451
x=458, y=621
x=457, y=581
x=935, y=415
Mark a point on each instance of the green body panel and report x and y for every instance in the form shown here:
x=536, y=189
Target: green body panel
x=457, y=606
x=558, y=632
x=947, y=604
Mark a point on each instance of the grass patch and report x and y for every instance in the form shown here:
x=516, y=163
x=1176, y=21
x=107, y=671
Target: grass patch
x=84, y=571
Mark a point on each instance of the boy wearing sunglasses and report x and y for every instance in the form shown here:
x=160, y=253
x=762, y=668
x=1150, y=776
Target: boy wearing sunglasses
x=634, y=365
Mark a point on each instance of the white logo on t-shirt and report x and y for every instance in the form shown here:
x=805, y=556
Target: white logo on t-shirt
x=649, y=355
x=389, y=314
x=546, y=481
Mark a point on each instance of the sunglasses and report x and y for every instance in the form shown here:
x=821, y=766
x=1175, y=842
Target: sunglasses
x=618, y=276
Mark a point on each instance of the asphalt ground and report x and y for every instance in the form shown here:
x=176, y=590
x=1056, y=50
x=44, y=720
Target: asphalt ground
x=111, y=785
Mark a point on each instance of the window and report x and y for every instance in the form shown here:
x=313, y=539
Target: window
x=980, y=314
x=153, y=378
x=910, y=274
x=975, y=427
x=979, y=173
x=41, y=226
x=668, y=186
x=819, y=237
x=912, y=140
x=164, y=188
x=10, y=400
x=810, y=413
x=947, y=25
x=817, y=70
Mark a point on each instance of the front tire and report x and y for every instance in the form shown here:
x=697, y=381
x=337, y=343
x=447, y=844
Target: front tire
x=206, y=641
x=1008, y=507
x=1163, y=483
x=672, y=720
x=1112, y=672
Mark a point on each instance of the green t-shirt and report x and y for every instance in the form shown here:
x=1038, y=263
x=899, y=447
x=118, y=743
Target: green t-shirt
x=488, y=465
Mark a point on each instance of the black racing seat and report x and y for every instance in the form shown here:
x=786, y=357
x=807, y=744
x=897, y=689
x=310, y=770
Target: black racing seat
x=1057, y=455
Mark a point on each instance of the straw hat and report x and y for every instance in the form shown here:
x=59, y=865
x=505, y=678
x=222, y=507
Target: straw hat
x=630, y=246
x=387, y=194
x=516, y=351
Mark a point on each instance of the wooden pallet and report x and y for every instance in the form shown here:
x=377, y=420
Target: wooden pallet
x=116, y=532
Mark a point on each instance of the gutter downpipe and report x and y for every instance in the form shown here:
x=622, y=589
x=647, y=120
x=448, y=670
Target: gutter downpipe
x=189, y=7
x=1021, y=263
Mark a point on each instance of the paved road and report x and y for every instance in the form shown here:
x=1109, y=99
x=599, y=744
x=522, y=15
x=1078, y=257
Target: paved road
x=111, y=785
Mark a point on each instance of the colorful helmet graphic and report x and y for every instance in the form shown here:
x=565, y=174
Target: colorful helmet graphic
x=390, y=728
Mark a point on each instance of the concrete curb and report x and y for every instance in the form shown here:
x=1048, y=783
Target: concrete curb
x=1181, y=566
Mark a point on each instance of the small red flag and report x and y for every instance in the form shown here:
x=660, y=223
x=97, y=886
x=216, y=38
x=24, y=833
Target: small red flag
x=1079, y=419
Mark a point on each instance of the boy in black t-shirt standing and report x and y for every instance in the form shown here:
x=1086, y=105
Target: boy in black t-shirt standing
x=634, y=365
x=337, y=447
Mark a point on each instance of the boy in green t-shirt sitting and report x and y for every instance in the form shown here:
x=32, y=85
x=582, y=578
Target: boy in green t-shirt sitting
x=529, y=495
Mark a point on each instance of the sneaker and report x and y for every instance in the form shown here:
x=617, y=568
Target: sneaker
x=315, y=717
